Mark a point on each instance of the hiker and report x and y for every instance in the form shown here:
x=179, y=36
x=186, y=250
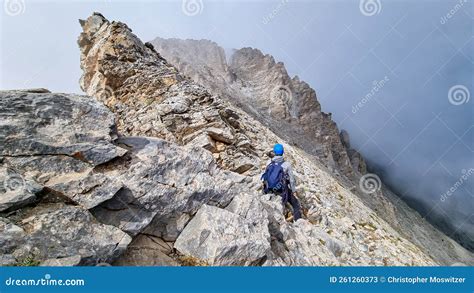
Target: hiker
x=278, y=179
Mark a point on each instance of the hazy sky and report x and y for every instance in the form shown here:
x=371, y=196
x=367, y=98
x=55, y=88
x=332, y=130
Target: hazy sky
x=397, y=75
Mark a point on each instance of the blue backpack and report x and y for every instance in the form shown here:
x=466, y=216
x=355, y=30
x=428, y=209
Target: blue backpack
x=274, y=178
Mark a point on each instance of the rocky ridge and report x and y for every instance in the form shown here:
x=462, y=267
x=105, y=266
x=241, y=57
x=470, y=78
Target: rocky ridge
x=259, y=85
x=165, y=171
x=262, y=87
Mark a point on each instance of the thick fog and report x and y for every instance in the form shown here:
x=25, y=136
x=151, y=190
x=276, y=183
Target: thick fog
x=398, y=75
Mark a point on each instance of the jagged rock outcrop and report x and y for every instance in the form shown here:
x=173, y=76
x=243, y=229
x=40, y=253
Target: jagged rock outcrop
x=50, y=144
x=54, y=141
x=262, y=87
x=357, y=161
x=151, y=98
x=163, y=185
x=69, y=155
x=257, y=84
x=56, y=231
x=173, y=111
x=151, y=168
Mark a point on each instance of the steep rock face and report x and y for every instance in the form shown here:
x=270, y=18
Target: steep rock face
x=290, y=105
x=262, y=88
x=357, y=161
x=69, y=155
x=150, y=97
x=185, y=113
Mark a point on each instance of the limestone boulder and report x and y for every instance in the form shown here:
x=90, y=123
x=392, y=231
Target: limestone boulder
x=57, y=231
x=220, y=237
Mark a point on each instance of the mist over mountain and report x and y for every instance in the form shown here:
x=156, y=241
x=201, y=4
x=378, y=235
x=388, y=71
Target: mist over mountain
x=454, y=225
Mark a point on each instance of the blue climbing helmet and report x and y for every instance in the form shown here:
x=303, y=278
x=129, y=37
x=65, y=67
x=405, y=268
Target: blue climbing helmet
x=278, y=149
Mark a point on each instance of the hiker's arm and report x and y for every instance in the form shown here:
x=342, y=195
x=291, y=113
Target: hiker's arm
x=292, y=178
x=265, y=170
